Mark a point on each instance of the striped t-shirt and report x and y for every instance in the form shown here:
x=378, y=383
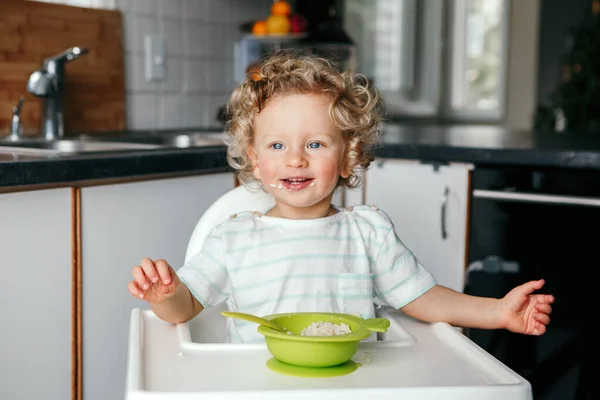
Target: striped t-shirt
x=341, y=263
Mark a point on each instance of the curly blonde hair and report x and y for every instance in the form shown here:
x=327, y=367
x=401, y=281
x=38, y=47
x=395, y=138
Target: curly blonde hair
x=355, y=107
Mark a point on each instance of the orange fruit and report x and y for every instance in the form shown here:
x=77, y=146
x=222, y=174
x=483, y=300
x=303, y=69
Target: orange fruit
x=278, y=25
x=259, y=28
x=281, y=7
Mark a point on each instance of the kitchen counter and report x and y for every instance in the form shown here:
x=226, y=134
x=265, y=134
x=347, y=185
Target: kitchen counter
x=54, y=170
x=479, y=145
x=487, y=145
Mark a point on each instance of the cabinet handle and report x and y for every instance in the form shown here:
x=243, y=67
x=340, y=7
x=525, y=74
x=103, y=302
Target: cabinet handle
x=536, y=198
x=443, y=213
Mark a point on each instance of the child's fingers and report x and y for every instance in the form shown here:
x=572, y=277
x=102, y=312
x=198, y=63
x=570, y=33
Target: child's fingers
x=531, y=286
x=135, y=290
x=544, y=308
x=163, y=271
x=140, y=278
x=543, y=318
x=540, y=329
x=149, y=269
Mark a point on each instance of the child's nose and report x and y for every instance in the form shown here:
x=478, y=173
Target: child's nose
x=297, y=159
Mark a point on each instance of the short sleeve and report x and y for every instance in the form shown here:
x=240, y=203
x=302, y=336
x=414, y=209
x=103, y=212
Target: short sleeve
x=205, y=274
x=398, y=276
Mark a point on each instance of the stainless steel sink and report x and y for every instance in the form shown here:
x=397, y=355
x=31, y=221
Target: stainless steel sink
x=99, y=143
x=70, y=146
x=178, y=140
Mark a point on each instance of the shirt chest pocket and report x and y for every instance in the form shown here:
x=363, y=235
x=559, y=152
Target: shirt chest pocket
x=356, y=294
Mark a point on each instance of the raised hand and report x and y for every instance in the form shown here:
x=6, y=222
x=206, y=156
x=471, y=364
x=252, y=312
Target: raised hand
x=154, y=281
x=525, y=312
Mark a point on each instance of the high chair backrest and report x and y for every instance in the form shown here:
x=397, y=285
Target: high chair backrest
x=242, y=198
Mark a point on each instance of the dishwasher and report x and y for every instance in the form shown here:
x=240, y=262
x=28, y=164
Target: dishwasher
x=539, y=223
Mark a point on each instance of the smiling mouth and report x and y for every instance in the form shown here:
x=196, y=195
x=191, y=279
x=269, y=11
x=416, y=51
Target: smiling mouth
x=295, y=184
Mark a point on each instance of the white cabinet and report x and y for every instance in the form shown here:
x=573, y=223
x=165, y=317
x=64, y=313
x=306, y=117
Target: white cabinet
x=35, y=299
x=429, y=208
x=121, y=224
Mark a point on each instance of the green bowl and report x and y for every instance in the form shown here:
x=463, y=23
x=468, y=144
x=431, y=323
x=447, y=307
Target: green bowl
x=318, y=351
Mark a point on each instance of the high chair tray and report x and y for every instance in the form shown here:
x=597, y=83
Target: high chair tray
x=414, y=360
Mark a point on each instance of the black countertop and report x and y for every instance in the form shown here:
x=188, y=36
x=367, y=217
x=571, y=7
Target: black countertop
x=479, y=145
x=488, y=145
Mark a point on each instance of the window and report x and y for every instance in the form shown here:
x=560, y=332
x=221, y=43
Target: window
x=431, y=58
x=106, y=4
x=478, y=59
x=398, y=48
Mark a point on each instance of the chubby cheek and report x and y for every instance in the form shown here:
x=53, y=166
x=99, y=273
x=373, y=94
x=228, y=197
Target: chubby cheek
x=267, y=170
x=330, y=173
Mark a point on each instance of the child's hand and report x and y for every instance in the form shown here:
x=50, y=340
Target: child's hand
x=524, y=312
x=154, y=281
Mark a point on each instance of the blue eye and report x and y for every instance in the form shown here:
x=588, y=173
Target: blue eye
x=277, y=146
x=314, y=145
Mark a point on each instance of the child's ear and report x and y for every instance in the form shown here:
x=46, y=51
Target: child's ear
x=254, y=158
x=345, y=169
x=345, y=173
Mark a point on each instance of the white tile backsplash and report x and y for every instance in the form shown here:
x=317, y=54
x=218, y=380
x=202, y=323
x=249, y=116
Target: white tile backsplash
x=172, y=32
x=217, y=45
x=199, y=37
x=129, y=31
x=195, y=76
x=147, y=7
x=142, y=25
x=173, y=81
x=195, y=109
x=171, y=111
x=132, y=73
x=194, y=10
x=126, y=6
x=219, y=11
x=196, y=38
x=169, y=9
x=213, y=104
x=219, y=76
x=142, y=110
x=135, y=78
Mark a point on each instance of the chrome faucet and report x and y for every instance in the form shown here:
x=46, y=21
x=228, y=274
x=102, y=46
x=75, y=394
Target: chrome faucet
x=48, y=83
x=16, y=127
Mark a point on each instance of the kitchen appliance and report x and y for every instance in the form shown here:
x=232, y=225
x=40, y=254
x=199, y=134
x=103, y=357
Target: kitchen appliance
x=251, y=48
x=324, y=36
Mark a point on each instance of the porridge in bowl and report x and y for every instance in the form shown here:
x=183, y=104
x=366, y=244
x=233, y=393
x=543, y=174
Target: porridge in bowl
x=318, y=339
x=324, y=328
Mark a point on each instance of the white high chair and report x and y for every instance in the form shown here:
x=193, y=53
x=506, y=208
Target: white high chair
x=249, y=197
x=187, y=361
x=242, y=198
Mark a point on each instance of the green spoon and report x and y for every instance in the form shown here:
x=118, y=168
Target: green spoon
x=255, y=319
x=376, y=324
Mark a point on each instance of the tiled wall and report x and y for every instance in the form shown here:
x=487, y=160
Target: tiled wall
x=199, y=37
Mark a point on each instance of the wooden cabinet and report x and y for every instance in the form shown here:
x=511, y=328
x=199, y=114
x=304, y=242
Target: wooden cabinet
x=121, y=224
x=429, y=207
x=36, y=295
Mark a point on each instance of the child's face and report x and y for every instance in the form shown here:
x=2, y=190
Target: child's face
x=298, y=152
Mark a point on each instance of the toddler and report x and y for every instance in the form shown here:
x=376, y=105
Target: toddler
x=302, y=128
